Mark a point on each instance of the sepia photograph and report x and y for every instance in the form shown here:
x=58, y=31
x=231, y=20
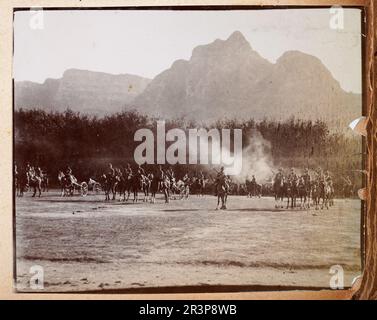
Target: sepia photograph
x=169, y=150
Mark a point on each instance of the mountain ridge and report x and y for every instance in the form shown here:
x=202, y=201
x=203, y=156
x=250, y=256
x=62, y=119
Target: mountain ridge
x=222, y=79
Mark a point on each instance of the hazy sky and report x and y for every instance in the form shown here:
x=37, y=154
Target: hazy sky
x=148, y=42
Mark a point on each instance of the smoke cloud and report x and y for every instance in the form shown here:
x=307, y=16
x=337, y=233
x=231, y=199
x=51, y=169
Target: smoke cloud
x=256, y=159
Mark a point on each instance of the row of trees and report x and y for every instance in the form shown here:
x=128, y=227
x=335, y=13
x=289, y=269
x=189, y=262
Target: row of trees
x=54, y=140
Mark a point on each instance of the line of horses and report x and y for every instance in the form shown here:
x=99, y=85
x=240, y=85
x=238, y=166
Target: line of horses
x=123, y=185
x=297, y=193
x=29, y=179
x=319, y=193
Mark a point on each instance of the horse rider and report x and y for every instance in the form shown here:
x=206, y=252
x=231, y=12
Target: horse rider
x=253, y=181
x=220, y=175
x=118, y=172
x=221, y=178
x=111, y=170
x=141, y=173
x=161, y=177
x=170, y=174
x=306, y=177
x=327, y=177
x=292, y=177
x=319, y=175
x=279, y=175
x=186, y=179
x=128, y=171
x=68, y=174
x=39, y=172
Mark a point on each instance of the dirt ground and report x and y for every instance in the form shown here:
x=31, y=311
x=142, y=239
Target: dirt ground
x=85, y=244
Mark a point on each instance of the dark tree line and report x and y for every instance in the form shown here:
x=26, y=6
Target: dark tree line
x=53, y=140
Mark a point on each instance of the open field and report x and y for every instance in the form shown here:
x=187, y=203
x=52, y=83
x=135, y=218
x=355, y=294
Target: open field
x=85, y=244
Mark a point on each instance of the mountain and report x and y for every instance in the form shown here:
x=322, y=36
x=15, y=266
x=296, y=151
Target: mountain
x=223, y=79
x=89, y=92
x=227, y=78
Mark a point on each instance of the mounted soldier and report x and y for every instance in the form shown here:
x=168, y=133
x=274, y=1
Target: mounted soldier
x=306, y=177
x=279, y=176
x=160, y=177
x=222, y=188
x=128, y=171
x=292, y=177
x=111, y=170
x=186, y=178
x=221, y=179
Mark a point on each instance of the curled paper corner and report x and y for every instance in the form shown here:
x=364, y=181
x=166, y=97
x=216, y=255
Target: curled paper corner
x=356, y=283
x=362, y=193
x=359, y=125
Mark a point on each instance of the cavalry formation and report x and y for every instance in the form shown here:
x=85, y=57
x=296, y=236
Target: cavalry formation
x=293, y=187
x=299, y=191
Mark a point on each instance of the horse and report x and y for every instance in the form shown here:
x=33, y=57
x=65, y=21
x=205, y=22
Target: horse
x=279, y=189
x=106, y=183
x=291, y=193
x=155, y=182
x=45, y=182
x=136, y=185
x=303, y=192
x=22, y=183
x=35, y=182
x=124, y=185
x=320, y=190
x=183, y=189
x=174, y=190
x=253, y=189
x=146, y=186
x=164, y=187
x=200, y=184
x=316, y=194
x=113, y=181
x=222, y=190
x=328, y=194
x=66, y=183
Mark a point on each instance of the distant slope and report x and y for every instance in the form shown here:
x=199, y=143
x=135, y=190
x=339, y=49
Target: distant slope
x=85, y=91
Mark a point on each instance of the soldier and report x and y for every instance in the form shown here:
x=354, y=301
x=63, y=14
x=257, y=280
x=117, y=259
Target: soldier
x=306, y=177
x=319, y=175
x=111, y=171
x=185, y=178
x=279, y=176
x=140, y=170
x=220, y=175
x=69, y=175
x=170, y=174
x=292, y=176
x=28, y=167
x=128, y=171
x=160, y=177
x=68, y=171
x=39, y=172
x=222, y=178
x=327, y=177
